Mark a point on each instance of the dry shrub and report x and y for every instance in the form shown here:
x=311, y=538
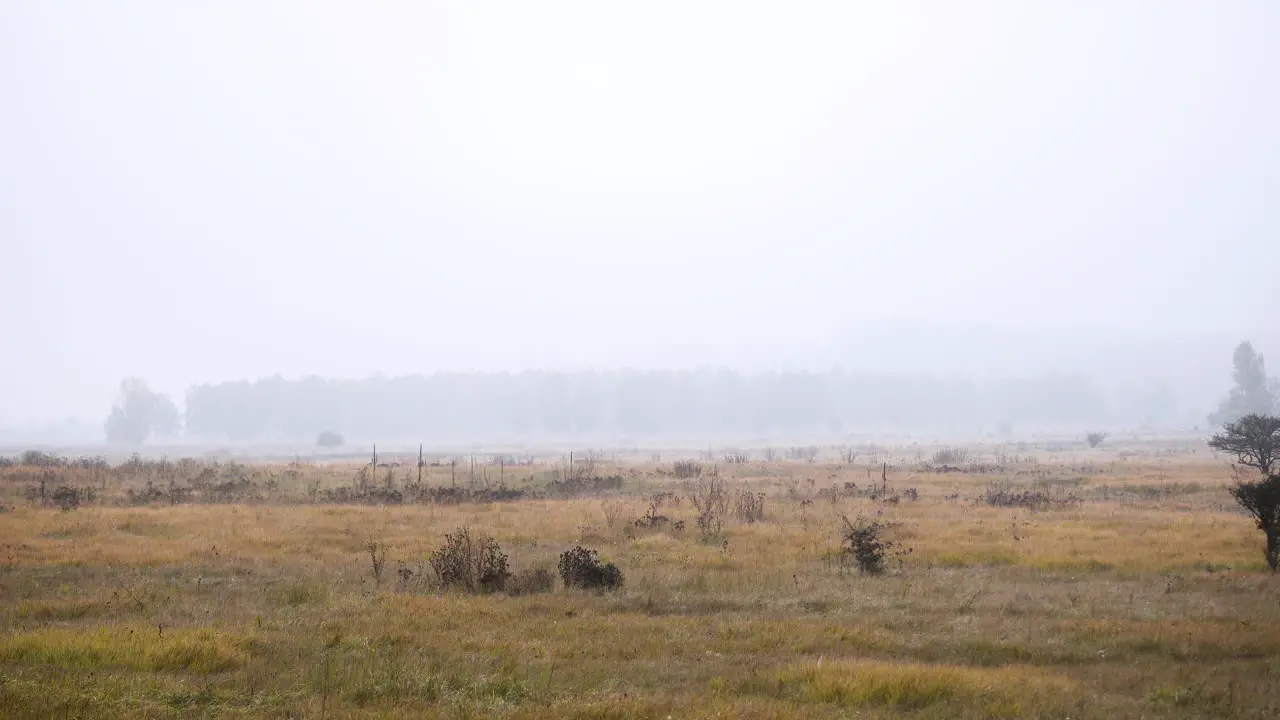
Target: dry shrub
x=654, y=520
x=470, y=561
x=749, y=506
x=66, y=497
x=666, y=497
x=711, y=499
x=1037, y=498
x=863, y=540
x=377, y=558
x=836, y=493
x=613, y=510
x=950, y=456
x=582, y=568
x=808, y=453
x=686, y=469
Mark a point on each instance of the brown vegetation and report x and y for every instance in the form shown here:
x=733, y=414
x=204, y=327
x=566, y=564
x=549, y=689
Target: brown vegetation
x=1127, y=584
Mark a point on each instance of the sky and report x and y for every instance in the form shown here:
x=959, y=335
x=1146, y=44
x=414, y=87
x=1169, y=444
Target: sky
x=196, y=192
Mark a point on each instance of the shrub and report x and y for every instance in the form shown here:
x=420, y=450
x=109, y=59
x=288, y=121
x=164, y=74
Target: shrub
x=612, y=511
x=472, y=562
x=749, y=507
x=144, y=496
x=1095, y=438
x=808, y=453
x=666, y=497
x=862, y=539
x=66, y=497
x=582, y=568
x=529, y=582
x=654, y=520
x=711, y=499
x=377, y=558
x=1004, y=494
x=41, y=459
x=950, y=456
x=1261, y=498
x=686, y=469
x=581, y=484
x=836, y=493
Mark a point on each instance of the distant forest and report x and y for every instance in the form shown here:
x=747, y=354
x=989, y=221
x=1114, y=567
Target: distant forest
x=641, y=405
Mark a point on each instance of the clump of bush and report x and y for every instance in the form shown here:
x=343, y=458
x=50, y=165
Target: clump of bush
x=577, y=485
x=749, y=506
x=52, y=491
x=41, y=459
x=710, y=498
x=1095, y=438
x=1031, y=498
x=66, y=497
x=863, y=540
x=836, y=493
x=471, y=562
x=686, y=469
x=654, y=520
x=808, y=453
x=950, y=456
x=581, y=568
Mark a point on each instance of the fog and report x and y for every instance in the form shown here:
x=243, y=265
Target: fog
x=970, y=192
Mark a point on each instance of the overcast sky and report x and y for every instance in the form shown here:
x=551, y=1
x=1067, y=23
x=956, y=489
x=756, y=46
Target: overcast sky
x=211, y=190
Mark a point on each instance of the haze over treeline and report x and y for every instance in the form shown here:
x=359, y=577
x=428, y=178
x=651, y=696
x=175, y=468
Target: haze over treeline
x=957, y=198
x=622, y=406
x=625, y=407
x=1072, y=381
x=717, y=403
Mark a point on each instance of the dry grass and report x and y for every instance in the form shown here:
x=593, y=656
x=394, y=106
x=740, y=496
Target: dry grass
x=1145, y=599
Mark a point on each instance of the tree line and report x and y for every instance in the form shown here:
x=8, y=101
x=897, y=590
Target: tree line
x=616, y=404
x=620, y=405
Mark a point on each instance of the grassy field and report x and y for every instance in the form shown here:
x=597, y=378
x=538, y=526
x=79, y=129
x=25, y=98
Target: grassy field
x=1132, y=588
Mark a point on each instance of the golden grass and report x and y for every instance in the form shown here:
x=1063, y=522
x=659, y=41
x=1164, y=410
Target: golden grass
x=901, y=686
x=1120, y=606
x=198, y=651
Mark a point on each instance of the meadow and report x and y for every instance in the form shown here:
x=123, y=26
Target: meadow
x=1023, y=581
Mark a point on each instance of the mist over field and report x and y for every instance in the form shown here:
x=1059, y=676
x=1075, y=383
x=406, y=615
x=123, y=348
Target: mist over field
x=574, y=359
x=958, y=218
